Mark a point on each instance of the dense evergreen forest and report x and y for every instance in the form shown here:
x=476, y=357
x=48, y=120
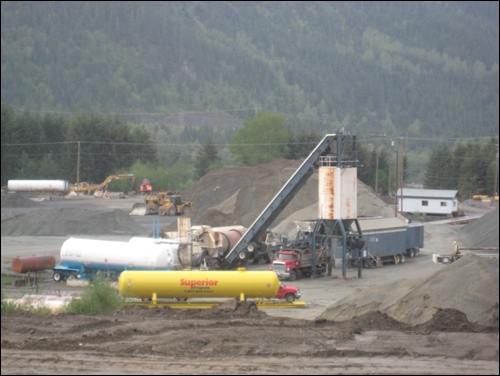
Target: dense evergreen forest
x=182, y=77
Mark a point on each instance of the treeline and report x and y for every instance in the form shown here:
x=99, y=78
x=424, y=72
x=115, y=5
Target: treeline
x=51, y=147
x=55, y=147
x=470, y=167
x=423, y=69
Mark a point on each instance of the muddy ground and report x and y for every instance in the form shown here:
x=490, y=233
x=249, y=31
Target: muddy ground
x=234, y=339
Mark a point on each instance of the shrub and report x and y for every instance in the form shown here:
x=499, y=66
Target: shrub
x=99, y=298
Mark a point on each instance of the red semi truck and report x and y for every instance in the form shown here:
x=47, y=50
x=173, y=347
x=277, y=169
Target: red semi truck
x=295, y=263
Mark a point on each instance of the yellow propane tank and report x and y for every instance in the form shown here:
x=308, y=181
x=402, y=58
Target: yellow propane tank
x=239, y=284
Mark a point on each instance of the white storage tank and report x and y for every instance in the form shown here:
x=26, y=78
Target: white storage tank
x=139, y=253
x=338, y=190
x=38, y=186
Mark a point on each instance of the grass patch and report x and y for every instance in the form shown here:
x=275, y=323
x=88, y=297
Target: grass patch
x=98, y=298
x=31, y=306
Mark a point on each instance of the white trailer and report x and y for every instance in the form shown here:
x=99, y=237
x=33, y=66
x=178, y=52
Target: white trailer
x=84, y=258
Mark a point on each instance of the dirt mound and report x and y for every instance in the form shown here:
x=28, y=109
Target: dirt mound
x=236, y=196
x=469, y=285
x=18, y=201
x=482, y=232
x=71, y=221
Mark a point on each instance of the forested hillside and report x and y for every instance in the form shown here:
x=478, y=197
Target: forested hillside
x=417, y=69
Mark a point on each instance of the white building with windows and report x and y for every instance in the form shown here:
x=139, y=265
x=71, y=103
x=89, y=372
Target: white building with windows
x=427, y=201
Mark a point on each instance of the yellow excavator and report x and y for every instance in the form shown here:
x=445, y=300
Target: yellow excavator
x=163, y=203
x=100, y=190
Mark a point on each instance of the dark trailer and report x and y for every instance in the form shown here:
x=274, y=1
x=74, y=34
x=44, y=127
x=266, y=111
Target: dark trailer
x=390, y=240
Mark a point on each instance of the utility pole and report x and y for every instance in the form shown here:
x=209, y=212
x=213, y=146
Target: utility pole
x=378, y=136
x=78, y=168
x=400, y=175
x=376, y=173
x=495, y=190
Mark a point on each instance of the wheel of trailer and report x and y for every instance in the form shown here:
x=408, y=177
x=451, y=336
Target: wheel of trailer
x=171, y=211
x=396, y=259
x=57, y=276
x=402, y=258
x=289, y=297
x=417, y=251
x=242, y=255
x=446, y=260
x=411, y=253
x=186, y=210
x=72, y=277
x=251, y=248
x=293, y=275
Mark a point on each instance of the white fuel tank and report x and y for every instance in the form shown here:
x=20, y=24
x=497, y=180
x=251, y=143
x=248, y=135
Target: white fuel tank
x=139, y=252
x=38, y=185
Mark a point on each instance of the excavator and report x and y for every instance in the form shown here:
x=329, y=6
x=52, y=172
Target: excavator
x=100, y=190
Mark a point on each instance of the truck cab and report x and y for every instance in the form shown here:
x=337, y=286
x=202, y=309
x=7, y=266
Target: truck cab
x=295, y=263
x=289, y=293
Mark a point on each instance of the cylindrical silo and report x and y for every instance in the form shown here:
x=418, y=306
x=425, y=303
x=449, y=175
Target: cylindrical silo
x=337, y=193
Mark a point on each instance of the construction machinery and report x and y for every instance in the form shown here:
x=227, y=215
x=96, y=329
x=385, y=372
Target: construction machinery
x=335, y=158
x=100, y=190
x=456, y=254
x=163, y=203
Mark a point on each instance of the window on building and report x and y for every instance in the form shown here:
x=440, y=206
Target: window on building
x=425, y=203
x=444, y=203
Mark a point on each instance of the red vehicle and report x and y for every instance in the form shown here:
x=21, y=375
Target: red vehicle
x=296, y=263
x=289, y=293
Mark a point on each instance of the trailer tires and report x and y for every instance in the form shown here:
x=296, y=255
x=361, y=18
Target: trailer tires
x=57, y=276
x=402, y=258
x=242, y=255
x=446, y=260
x=72, y=276
x=396, y=259
x=251, y=248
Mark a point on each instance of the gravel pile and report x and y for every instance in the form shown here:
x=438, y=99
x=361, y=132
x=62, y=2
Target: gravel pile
x=469, y=285
x=71, y=221
x=482, y=232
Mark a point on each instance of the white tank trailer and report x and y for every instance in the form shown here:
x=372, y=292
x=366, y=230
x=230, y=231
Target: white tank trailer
x=38, y=186
x=84, y=258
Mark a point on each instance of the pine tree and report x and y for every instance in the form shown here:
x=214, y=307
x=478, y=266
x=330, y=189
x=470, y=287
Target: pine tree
x=207, y=157
x=438, y=173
